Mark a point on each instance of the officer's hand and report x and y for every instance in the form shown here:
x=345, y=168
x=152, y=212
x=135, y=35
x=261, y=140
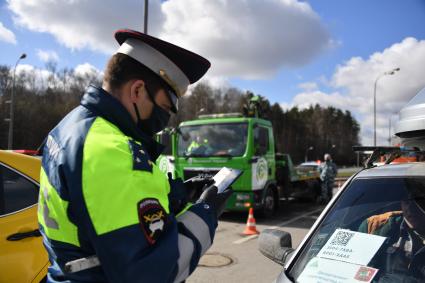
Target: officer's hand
x=214, y=199
x=196, y=185
x=178, y=197
x=195, y=181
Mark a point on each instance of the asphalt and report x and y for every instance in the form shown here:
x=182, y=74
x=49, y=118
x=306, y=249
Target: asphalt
x=235, y=257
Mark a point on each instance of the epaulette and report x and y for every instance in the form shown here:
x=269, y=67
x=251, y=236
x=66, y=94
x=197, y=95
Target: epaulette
x=141, y=159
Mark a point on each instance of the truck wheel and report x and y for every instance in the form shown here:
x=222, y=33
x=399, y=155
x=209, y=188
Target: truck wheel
x=317, y=192
x=269, y=203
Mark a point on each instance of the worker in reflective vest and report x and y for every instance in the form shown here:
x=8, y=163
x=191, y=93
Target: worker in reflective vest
x=106, y=211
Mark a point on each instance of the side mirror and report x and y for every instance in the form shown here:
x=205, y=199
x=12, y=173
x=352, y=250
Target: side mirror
x=276, y=245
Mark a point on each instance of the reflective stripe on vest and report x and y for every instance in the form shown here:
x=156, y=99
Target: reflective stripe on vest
x=111, y=188
x=52, y=214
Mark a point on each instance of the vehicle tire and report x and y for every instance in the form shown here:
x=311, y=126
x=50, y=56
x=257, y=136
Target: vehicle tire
x=269, y=203
x=317, y=192
x=312, y=192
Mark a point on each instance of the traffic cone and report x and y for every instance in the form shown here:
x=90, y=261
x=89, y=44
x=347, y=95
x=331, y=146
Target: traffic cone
x=250, y=224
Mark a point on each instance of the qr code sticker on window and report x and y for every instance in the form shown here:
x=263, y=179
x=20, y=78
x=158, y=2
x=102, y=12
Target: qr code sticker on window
x=342, y=238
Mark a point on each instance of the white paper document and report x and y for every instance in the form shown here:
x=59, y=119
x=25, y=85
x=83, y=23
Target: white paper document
x=321, y=270
x=352, y=247
x=225, y=177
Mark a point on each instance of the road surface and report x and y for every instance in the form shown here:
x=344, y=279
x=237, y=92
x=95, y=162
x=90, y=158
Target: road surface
x=235, y=258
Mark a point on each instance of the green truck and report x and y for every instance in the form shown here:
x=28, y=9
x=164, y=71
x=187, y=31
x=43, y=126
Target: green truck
x=201, y=147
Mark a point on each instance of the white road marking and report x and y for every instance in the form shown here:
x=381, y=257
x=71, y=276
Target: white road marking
x=246, y=239
x=273, y=227
x=299, y=217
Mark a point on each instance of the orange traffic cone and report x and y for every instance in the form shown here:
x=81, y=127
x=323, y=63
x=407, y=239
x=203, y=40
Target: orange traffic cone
x=250, y=224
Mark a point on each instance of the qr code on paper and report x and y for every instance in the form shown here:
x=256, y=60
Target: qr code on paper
x=342, y=238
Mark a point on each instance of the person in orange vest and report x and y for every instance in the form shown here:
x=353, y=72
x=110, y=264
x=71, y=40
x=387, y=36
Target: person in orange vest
x=405, y=244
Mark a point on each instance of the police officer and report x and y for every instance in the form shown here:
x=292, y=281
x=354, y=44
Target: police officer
x=105, y=209
x=328, y=171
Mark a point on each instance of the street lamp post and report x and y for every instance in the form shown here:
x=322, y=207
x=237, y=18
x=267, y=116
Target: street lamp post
x=10, y=139
x=392, y=72
x=145, y=27
x=306, y=152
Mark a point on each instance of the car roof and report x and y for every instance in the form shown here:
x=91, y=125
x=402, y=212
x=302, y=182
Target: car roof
x=28, y=165
x=310, y=163
x=413, y=169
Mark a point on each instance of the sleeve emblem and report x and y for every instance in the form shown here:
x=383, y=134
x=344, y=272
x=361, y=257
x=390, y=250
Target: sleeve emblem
x=152, y=218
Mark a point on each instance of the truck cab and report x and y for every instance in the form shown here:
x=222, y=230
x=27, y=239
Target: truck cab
x=198, y=149
x=205, y=145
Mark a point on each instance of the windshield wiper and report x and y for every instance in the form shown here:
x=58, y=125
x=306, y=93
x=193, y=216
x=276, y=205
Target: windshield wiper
x=193, y=155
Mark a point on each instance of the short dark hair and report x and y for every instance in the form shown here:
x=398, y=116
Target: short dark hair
x=122, y=68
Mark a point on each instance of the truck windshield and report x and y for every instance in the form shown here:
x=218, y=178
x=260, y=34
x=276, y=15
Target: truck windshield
x=221, y=139
x=374, y=234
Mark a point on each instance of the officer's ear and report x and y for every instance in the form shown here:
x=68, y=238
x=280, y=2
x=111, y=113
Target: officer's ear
x=137, y=90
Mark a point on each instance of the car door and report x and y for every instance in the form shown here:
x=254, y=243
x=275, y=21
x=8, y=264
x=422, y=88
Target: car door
x=22, y=255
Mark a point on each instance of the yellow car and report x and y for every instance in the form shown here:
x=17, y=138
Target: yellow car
x=22, y=255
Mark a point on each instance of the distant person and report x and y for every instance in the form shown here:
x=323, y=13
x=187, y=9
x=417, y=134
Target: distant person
x=197, y=146
x=328, y=171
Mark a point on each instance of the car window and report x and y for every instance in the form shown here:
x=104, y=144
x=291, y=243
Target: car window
x=16, y=192
x=261, y=140
x=366, y=236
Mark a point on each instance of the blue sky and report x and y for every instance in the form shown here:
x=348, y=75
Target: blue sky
x=361, y=27
x=293, y=52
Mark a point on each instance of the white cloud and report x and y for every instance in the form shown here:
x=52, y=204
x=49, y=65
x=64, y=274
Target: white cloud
x=218, y=82
x=86, y=74
x=6, y=34
x=308, y=86
x=306, y=99
x=245, y=39
x=84, y=24
x=24, y=68
x=354, y=81
x=286, y=106
x=87, y=69
x=38, y=78
x=248, y=39
x=47, y=55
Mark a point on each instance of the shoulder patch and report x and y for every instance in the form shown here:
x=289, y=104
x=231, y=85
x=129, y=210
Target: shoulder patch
x=141, y=159
x=152, y=219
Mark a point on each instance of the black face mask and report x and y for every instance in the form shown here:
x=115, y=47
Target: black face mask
x=157, y=121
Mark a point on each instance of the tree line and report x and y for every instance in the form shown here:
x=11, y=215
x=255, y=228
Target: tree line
x=41, y=101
